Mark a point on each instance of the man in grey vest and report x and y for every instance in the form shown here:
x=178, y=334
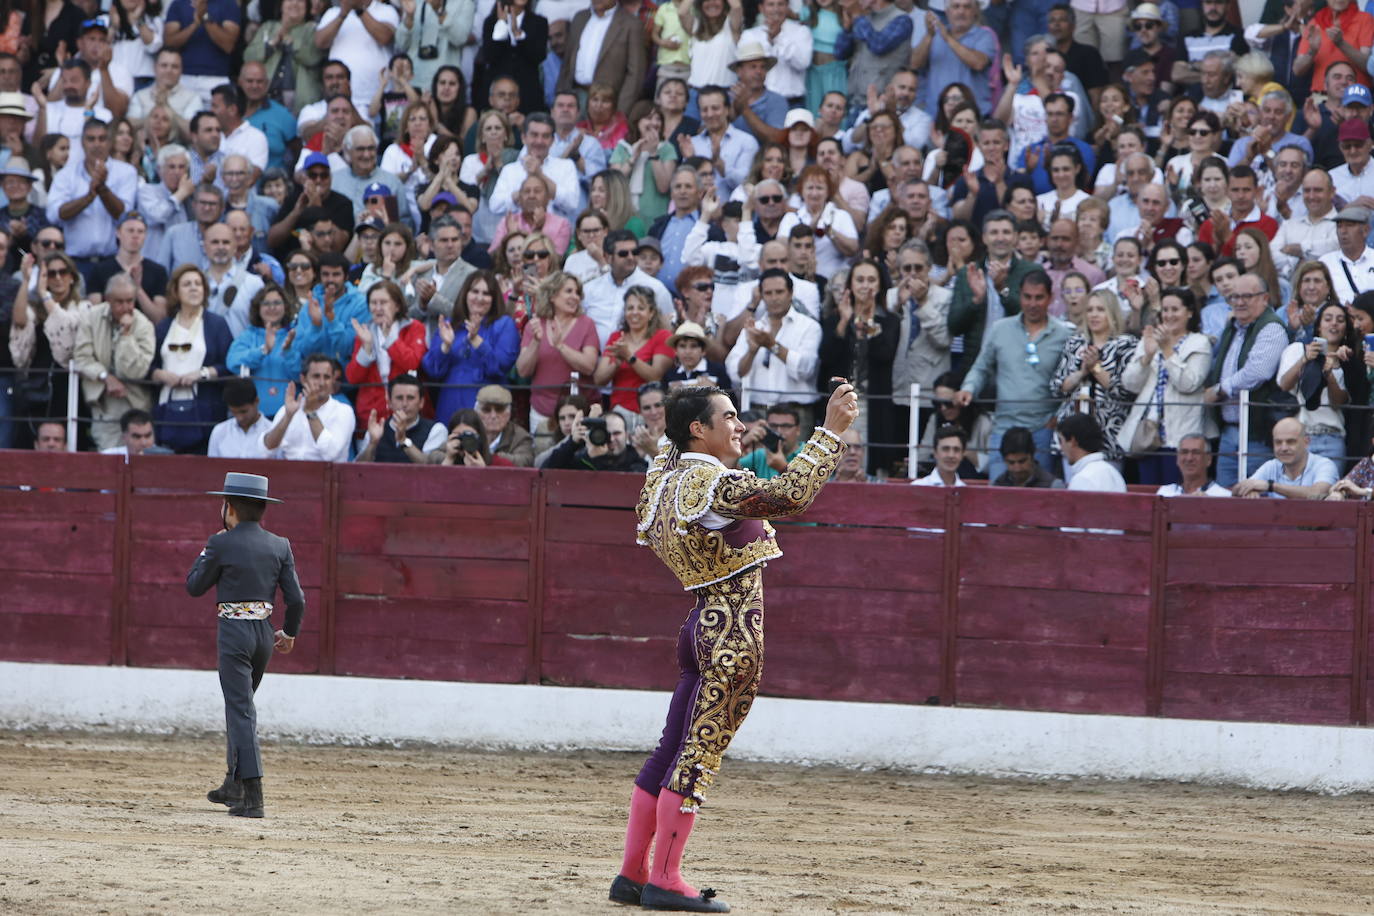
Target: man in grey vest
x=247, y=564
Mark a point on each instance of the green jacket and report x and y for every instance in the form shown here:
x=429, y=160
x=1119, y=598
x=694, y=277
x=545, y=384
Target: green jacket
x=969, y=318
x=1271, y=403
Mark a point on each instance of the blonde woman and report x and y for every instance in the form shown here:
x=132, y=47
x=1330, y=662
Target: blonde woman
x=1091, y=367
x=609, y=192
x=559, y=340
x=495, y=150
x=636, y=353
x=56, y=310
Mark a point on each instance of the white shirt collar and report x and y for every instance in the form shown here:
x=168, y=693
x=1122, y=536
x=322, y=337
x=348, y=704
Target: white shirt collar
x=702, y=456
x=1090, y=458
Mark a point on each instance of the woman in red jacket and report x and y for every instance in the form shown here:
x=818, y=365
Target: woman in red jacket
x=387, y=346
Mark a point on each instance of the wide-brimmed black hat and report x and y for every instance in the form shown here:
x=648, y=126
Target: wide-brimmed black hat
x=248, y=486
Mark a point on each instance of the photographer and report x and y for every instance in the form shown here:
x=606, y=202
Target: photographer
x=597, y=444
x=466, y=446
x=780, y=442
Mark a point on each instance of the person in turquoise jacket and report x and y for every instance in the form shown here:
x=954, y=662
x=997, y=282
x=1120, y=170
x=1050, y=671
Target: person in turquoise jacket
x=268, y=348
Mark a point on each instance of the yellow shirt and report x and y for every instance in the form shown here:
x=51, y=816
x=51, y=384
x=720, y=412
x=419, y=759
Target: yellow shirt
x=668, y=24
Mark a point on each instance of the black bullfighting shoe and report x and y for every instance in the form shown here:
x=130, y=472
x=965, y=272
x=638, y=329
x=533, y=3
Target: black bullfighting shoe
x=230, y=793
x=656, y=898
x=623, y=890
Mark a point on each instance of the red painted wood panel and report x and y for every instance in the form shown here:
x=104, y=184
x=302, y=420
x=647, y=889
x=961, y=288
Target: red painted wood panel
x=170, y=517
x=842, y=611
x=1030, y=558
x=419, y=656
x=1239, y=538
x=74, y=545
x=609, y=661
x=1019, y=675
x=1260, y=566
x=1291, y=653
x=583, y=525
x=1054, y=617
x=64, y=639
x=64, y=470
x=1284, y=514
x=436, y=537
x=161, y=606
x=1277, y=607
x=166, y=563
x=1054, y=508
x=428, y=577
x=87, y=504
x=42, y=592
x=861, y=668
x=459, y=621
x=187, y=647
x=889, y=506
x=406, y=483
x=579, y=488
x=1320, y=700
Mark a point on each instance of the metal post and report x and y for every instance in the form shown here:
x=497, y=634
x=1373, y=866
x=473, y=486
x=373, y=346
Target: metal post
x=1243, y=447
x=73, y=389
x=913, y=430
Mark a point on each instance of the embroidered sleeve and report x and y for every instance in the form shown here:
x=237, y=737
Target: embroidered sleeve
x=741, y=495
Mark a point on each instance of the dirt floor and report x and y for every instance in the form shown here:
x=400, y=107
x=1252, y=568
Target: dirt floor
x=119, y=824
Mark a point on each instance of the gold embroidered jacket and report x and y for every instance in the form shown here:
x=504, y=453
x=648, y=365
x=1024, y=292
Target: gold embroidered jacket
x=679, y=492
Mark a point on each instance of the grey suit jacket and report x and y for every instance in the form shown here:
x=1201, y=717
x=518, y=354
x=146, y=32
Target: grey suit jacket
x=249, y=563
x=621, y=63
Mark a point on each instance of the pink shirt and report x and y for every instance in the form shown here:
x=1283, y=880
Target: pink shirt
x=552, y=372
x=558, y=229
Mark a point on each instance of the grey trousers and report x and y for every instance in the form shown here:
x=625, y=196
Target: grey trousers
x=245, y=647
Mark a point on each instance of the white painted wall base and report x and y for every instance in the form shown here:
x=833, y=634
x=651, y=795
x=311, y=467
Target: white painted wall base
x=926, y=738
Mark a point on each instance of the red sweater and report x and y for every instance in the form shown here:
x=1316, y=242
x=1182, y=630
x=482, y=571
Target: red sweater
x=405, y=353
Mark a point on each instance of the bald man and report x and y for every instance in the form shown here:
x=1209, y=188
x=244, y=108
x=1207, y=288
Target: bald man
x=1313, y=234
x=1152, y=202
x=232, y=285
x=1294, y=472
x=272, y=118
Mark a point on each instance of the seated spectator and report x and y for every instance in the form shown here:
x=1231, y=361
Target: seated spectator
x=1312, y=233
x=532, y=215
x=949, y=454
x=1168, y=372
x=240, y=436
x=192, y=346
x=238, y=174
x=777, y=355
x=50, y=437
x=240, y=138
x=166, y=89
x=148, y=275
x=1062, y=260
x=1081, y=441
x=114, y=350
x=1022, y=470
x=1294, y=472
x=853, y=461
x=637, y=351
x=270, y=116
x=1091, y=367
x=781, y=442
x=603, y=122
x=315, y=192
x=649, y=255
x=388, y=346
x=571, y=409
x=206, y=149
x=535, y=159
x=265, y=348
x=185, y=243
x=729, y=150
x=23, y=218
x=232, y=286
x=477, y=348
x=466, y=446
x=1220, y=228
x=135, y=434
x=401, y=435
x=600, y=445
x=1351, y=265
x=504, y=436
x=1194, y=457
x=840, y=239
x=605, y=296
x=325, y=324
x=363, y=178
x=971, y=418
x=313, y=426
x=648, y=432
x=1326, y=373
x=690, y=345
x=434, y=290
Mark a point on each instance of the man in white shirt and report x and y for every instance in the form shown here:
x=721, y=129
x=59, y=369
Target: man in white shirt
x=789, y=42
x=900, y=96
x=806, y=296
x=135, y=434
x=360, y=32
x=950, y=442
x=166, y=90
x=1218, y=79
x=1313, y=234
x=112, y=84
x=68, y=115
x=89, y=195
x=537, y=159
x=337, y=80
x=239, y=137
x=1294, y=472
x=1080, y=439
x=1194, y=458
x=232, y=286
x=240, y=436
x=1352, y=264
x=776, y=358
x=1355, y=179
x=603, y=299
x=312, y=426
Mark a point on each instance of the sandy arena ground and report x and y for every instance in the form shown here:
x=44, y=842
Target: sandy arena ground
x=119, y=824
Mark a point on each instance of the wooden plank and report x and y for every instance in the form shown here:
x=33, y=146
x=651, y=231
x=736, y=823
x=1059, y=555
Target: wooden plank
x=495, y=622
x=1054, y=617
x=67, y=470
x=427, y=577
x=578, y=488
x=169, y=517
x=60, y=639
x=174, y=474
x=58, y=594
x=1154, y=647
x=1315, y=700
x=895, y=506
x=1293, y=653
x=433, y=484
x=1275, y=607
x=425, y=658
x=55, y=504
x=1013, y=506
x=609, y=661
x=1359, y=649
x=162, y=606
x=180, y=647
x=1018, y=675
x=1280, y=513
x=119, y=606
x=166, y=563
x=1245, y=538
x=842, y=611
x=849, y=558
x=883, y=669
x=76, y=546
x=589, y=566
x=539, y=524
x=404, y=536
x=581, y=525
x=1105, y=564
x=1260, y=566
x=364, y=508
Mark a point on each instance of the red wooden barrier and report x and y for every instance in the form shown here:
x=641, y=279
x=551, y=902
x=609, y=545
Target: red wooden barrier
x=1229, y=609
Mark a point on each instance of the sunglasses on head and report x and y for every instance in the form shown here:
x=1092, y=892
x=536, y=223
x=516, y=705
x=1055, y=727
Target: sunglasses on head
x=179, y=348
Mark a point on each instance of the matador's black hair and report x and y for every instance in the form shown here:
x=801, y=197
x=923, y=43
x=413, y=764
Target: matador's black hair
x=685, y=406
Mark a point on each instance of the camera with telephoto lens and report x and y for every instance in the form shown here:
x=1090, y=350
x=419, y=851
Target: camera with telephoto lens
x=429, y=52
x=469, y=443
x=597, y=434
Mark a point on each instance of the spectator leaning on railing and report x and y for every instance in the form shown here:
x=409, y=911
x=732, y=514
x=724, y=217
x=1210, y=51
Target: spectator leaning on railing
x=114, y=350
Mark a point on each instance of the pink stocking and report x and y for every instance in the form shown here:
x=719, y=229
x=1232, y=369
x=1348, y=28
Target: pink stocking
x=669, y=842
x=639, y=836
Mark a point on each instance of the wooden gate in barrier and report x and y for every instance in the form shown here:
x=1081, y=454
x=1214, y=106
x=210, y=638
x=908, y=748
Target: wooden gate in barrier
x=1250, y=610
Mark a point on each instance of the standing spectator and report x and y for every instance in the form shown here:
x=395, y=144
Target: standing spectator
x=532, y=215
x=149, y=276
x=647, y=160
x=1194, y=459
x=433, y=33
x=192, y=346
x=1022, y=470
x=729, y=150
x=672, y=229
x=1351, y=265
x=20, y=217
x=363, y=178
x=240, y=436
x=163, y=204
x=1082, y=57
x=1326, y=373
x=338, y=80
x=559, y=340
x=536, y=159
x=389, y=345
x=1354, y=180
x=876, y=42
x=401, y=435
x=42, y=334
x=837, y=238
x=205, y=151
x=312, y=426
x=361, y=32
x=859, y=341
x=266, y=348
x=1090, y=370
x=605, y=45
x=1082, y=442
x=434, y=292
x=1168, y=372
x=1220, y=229
x=673, y=59
x=185, y=243
x=1312, y=234
x=756, y=108
x=68, y=115
x=957, y=51
x=290, y=60
x=777, y=354
x=504, y=437
x=476, y=348
x=1246, y=359
x=636, y=352
x=605, y=296
x=1338, y=33
x=111, y=83
x=205, y=32
x=789, y=43
x=326, y=323
x=230, y=107
x=166, y=89
x=923, y=341
x=514, y=42
x=1062, y=259
x=114, y=350
x=716, y=32
x=996, y=283
x=1019, y=355
x=1294, y=472
x=89, y=195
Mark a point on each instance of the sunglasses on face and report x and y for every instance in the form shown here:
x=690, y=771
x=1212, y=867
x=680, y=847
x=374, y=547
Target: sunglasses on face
x=1169, y=262
x=703, y=287
x=1142, y=26
x=940, y=404
x=1200, y=132
x=317, y=176
x=628, y=253
x=298, y=267
x=58, y=272
x=770, y=198
x=52, y=243
x=913, y=268
x=536, y=255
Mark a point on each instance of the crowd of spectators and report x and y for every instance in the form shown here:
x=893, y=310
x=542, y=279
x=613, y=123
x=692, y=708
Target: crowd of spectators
x=498, y=232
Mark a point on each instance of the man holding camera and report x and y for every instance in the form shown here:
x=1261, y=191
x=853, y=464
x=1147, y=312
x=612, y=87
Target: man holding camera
x=778, y=442
x=597, y=444
x=406, y=436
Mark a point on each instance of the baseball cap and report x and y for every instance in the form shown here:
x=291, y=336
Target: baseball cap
x=377, y=189
x=799, y=116
x=1147, y=11
x=315, y=159
x=1357, y=94
x=444, y=197
x=649, y=242
x=370, y=223
x=1353, y=129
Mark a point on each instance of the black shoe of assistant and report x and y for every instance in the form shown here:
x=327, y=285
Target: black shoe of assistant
x=231, y=793
x=656, y=898
x=623, y=890
x=251, y=803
